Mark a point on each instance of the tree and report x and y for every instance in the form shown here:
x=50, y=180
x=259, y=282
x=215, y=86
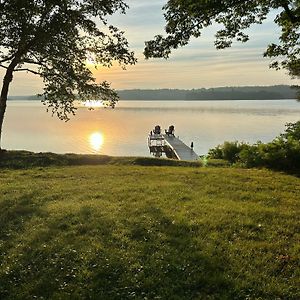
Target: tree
x=186, y=18
x=54, y=39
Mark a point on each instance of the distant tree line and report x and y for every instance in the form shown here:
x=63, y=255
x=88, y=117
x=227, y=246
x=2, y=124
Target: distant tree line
x=221, y=93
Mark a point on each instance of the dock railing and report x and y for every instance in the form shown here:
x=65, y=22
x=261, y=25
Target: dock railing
x=170, y=145
x=156, y=140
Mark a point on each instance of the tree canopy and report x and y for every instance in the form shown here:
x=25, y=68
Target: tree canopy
x=187, y=18
x=54, y=39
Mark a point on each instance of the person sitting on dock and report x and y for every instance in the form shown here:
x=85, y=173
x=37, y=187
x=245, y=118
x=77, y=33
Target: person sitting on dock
x=170, y=131
x=157, y=129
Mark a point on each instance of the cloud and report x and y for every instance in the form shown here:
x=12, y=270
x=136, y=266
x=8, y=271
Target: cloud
x=197, y=65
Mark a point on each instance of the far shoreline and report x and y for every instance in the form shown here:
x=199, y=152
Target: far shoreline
x=172, y=100
x=276, y=92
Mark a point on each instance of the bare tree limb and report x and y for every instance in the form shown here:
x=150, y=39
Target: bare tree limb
x=7, y=58
x=33, y=62
x=27, y=70
x=2, y=66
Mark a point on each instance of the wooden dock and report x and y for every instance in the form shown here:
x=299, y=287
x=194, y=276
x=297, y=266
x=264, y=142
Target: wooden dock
x=180, y=149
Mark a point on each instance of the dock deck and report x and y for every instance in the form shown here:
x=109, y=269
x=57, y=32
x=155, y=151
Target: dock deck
x=181, y=150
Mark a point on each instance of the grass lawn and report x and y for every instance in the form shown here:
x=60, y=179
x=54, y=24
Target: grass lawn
x=148, y=232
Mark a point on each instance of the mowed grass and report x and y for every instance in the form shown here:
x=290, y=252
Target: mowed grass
x=134, y=232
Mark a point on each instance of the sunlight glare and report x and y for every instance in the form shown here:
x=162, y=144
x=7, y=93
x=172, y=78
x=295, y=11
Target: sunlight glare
x=93, y=103
x=96, y=141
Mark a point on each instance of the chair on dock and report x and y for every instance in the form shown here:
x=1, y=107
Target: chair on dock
x=157, y=130
x=170, y=131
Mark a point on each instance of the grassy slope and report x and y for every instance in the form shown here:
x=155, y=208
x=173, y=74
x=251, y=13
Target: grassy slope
x=122, y=232
x=26, y=159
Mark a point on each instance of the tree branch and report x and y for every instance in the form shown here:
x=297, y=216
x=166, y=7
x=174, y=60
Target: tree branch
x=7, y=59
x=36, y=63
x=2, y=66
x=36, y=60
x=294, y=19
x=27, y=70
x=32, y=62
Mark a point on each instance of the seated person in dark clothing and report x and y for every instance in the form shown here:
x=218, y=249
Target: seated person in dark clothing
x=170, y=131
x=157, y=129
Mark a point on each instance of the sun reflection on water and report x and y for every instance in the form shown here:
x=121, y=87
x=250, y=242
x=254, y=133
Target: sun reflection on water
x=96, y=141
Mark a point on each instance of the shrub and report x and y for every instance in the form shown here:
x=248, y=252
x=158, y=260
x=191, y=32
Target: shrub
x=283, y=153
x=228, y=151
x=216, y=153
x=250, y=156
x=292, y=131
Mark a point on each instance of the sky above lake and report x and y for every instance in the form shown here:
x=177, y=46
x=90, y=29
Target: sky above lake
x=195, y=66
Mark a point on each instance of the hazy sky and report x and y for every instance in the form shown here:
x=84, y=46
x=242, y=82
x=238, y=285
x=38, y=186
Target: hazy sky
x=195, y=66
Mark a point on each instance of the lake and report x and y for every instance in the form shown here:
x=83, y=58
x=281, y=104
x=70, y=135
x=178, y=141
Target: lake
x=123, y=131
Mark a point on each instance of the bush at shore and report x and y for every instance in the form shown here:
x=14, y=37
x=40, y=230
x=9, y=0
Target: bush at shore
x=283, y=153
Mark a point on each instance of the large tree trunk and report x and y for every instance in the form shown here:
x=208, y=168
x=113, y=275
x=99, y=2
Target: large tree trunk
x=4, y=93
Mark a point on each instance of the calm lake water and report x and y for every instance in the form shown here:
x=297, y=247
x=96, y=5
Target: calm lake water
x=124, y=130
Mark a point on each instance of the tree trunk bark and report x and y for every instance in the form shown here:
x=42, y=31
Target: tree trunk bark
x=4, y=93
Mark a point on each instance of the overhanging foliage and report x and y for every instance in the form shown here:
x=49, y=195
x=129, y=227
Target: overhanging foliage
x=54, y=39
x=187, y=18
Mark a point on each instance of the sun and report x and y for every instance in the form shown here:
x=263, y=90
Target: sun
x=96, y=141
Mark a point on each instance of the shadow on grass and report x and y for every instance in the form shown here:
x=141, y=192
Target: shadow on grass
x=25, y=159
x=173, y=264
x=86, y=256
x=14, y=214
